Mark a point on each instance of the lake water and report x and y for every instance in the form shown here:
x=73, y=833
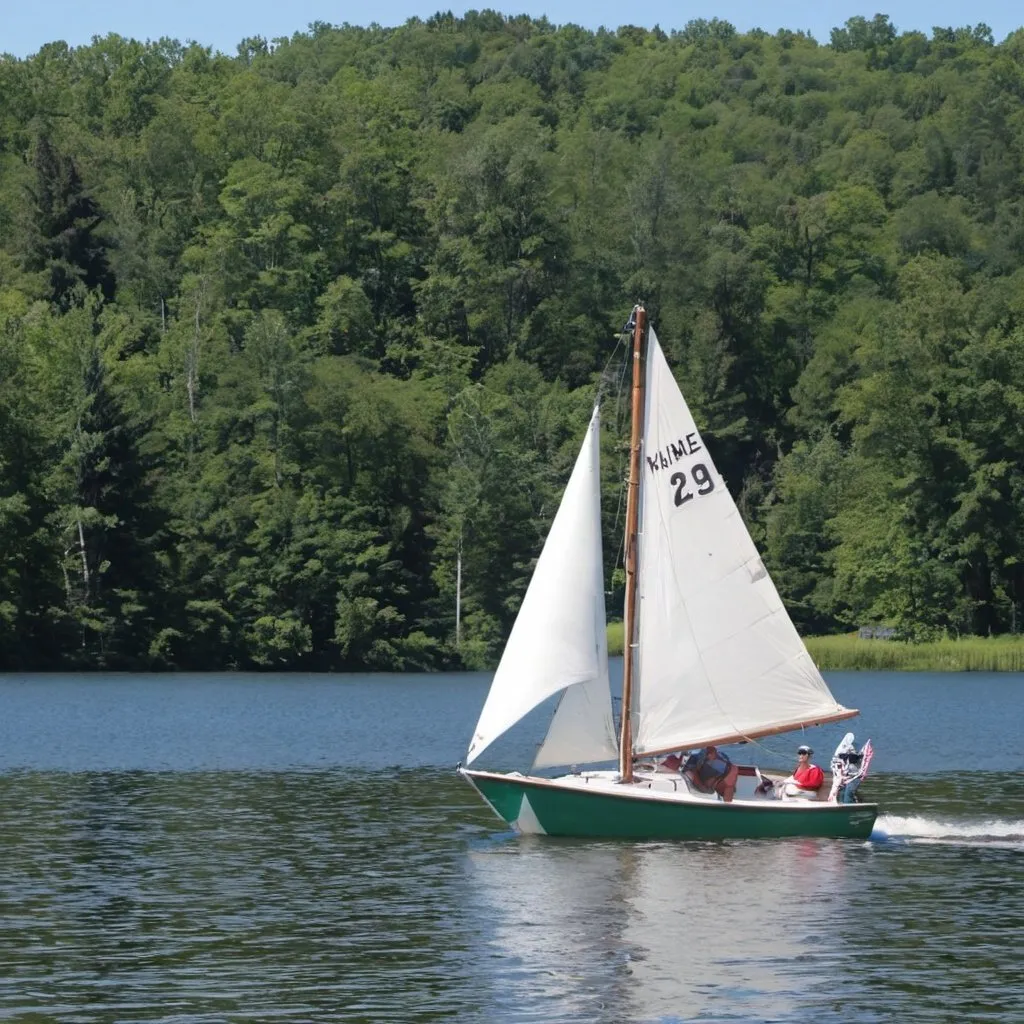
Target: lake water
x=298, y=849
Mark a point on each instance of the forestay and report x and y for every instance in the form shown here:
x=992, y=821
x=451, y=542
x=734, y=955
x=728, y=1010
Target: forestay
x=719, y=657
x=558, y=639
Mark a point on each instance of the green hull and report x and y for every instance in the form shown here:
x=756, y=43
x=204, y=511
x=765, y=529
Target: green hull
x=542, y=806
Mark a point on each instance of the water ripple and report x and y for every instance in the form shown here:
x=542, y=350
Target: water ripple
x=341, y=895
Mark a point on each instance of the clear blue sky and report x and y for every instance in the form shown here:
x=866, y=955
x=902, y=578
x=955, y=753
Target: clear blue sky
x=25, y=25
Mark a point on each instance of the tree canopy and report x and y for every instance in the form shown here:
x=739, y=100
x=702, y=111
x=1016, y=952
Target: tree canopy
x=289, y=340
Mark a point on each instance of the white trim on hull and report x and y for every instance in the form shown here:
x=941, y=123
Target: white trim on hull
x=528, y=823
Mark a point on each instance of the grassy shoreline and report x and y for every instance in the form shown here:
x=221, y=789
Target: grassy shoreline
x=849, y=653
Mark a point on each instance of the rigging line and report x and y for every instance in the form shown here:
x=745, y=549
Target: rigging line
x=607, y=382
x=624, y=374
x=768, y=750
x=606, y=377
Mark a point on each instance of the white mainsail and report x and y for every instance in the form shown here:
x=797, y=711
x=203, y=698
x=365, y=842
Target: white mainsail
x=719, y=657
x=558, y=639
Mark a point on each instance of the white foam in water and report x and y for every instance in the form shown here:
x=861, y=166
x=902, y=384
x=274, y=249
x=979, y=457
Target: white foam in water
x=1002, y=832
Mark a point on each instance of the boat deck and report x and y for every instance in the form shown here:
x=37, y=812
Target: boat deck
x=747, y=785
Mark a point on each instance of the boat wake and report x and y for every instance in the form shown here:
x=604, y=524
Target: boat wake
x=997, y=832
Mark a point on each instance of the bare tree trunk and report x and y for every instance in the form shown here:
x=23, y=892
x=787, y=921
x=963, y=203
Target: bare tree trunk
x=67, y=577
x=458, y=594
x=85, y=559
x=192, y=356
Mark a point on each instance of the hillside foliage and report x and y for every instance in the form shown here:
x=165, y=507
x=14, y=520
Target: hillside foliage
x=286, y=337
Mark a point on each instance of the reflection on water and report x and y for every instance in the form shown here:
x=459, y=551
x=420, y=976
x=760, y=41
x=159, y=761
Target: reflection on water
x=706, y=925
x=339, y=895
x=652, y=932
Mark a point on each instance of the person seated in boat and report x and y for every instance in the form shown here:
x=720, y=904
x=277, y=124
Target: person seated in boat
x=672, y=763
x=807, y=777
x=711, y=771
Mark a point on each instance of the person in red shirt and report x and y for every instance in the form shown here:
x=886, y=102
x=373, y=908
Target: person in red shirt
x=807, y=777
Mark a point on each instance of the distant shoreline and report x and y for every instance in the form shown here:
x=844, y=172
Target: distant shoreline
x=848, y=652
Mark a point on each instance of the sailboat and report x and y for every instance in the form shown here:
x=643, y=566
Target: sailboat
x=711, y=654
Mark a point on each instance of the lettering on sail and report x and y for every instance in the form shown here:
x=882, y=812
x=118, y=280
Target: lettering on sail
x=682, y=485
x=674, y=451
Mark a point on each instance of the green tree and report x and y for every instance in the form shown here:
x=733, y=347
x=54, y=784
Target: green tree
x=65, y=244
x=102, y=520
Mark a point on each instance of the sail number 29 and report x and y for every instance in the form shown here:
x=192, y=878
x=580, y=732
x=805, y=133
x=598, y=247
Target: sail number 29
x=701, y=477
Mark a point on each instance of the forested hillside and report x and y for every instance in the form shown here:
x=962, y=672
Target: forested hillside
x=281, y=333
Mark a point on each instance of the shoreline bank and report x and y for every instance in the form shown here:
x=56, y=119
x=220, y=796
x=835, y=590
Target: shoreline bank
x=848, y=652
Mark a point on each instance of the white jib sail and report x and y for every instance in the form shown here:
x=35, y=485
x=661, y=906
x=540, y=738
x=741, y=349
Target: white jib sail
x=718, y=654
x=558, y=639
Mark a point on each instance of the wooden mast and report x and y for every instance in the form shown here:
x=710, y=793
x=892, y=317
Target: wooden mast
x=632, y=520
